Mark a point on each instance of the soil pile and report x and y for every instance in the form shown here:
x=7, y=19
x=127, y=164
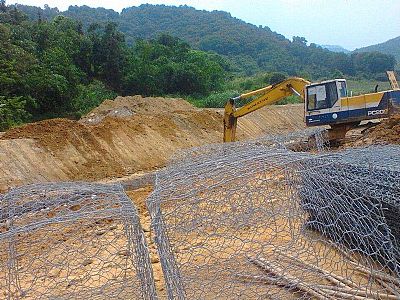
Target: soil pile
x=124, y=137
x=129, y=106
x=387, y=132
x=61, y=149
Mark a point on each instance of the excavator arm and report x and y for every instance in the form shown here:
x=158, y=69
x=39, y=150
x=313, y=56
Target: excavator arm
x=266, y=96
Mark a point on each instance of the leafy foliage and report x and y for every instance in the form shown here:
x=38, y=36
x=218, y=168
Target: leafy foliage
x=90, y=96
x=251, y=49
x=56, y=63
x=167, y=65
x=373, y=62
x=391, y=47
x=12, y=112
x=55, y=68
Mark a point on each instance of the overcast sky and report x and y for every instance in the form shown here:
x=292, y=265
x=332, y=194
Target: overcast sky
x=349, y=23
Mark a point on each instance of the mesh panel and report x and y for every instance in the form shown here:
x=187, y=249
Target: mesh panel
x=260, y=221
x=73, y=240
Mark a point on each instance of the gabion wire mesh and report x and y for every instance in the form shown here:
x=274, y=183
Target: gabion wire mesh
x=72, y=241
x=260, y=221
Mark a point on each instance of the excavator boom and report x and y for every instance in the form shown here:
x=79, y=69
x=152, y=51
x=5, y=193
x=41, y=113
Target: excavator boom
x=266, y=96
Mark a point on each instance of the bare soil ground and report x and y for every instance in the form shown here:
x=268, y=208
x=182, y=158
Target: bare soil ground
x=134, y=135
x=110, y=144
x=387, y=132
x=209, y=258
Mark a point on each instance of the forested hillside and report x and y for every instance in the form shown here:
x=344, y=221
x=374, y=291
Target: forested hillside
x=55, y=68
x=62, y=64
x=250, y=48
x=391, y=47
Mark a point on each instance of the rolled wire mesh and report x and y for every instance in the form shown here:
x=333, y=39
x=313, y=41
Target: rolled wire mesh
x=308, y=140
x=72, y=241
x=251, y=221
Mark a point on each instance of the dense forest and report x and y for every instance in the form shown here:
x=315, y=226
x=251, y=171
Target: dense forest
x=65, y=63
x=250, y=48
x=55, y=68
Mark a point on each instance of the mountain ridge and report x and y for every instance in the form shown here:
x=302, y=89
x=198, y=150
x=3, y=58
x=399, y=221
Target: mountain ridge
x=250, y=48
x=391, y=46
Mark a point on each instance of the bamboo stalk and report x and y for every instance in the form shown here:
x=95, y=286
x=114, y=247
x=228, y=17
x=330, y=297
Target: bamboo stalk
x=346, y=295
x=386, y=285
x=385, y=277
x=360, y=293
x=378, y=276
x=334, y=278
x=288, y=279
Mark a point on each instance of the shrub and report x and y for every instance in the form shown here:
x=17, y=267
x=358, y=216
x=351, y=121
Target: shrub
x=91, y=96
x=12, y=112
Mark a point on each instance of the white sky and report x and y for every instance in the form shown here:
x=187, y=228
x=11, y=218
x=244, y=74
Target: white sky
x=349, y=23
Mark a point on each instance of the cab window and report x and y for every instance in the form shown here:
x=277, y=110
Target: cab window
x=322, y=96
x=317, y=98
x=342, y=89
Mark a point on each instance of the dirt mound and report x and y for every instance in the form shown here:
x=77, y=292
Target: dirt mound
x=53, y=134
x=61, y=149
x=75, y=146
x=387, y=132
x=120, y=145
x=129, y=106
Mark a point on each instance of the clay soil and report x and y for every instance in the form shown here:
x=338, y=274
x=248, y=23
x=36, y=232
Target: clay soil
x=387, y=132
x=122, y=137
x=133, y=135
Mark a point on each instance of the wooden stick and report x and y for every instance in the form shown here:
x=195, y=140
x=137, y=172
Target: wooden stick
x=334, y=278
x=346, y=295
x=385, y=277
x=386, y=285
x=288, y=279
x=359, y=292
x=363, y=269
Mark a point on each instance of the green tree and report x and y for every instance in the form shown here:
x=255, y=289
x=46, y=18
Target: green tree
x=12, y=112
x=277, y=77
x=90, y=96
x=3, y=6
x=373, y=62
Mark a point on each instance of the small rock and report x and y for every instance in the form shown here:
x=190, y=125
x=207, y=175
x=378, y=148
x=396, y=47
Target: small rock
x=87, y=262
x=123, y=253
x=75, y=207
x=113, y=227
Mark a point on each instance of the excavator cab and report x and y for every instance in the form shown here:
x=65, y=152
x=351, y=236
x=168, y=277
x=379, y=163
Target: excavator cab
x=322, y=102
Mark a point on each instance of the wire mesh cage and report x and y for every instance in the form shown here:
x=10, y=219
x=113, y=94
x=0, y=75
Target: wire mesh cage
x=251, y=221
x=274, y=218
x=72, y=241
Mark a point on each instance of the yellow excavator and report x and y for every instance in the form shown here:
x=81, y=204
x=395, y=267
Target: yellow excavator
x=325, y=103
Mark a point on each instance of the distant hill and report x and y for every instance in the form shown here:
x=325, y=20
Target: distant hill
x=249, y=48
x=389, y=47
x=335, y=48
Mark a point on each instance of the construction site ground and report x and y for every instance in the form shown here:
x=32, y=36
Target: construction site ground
x=123, y=137
x=132, y=136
